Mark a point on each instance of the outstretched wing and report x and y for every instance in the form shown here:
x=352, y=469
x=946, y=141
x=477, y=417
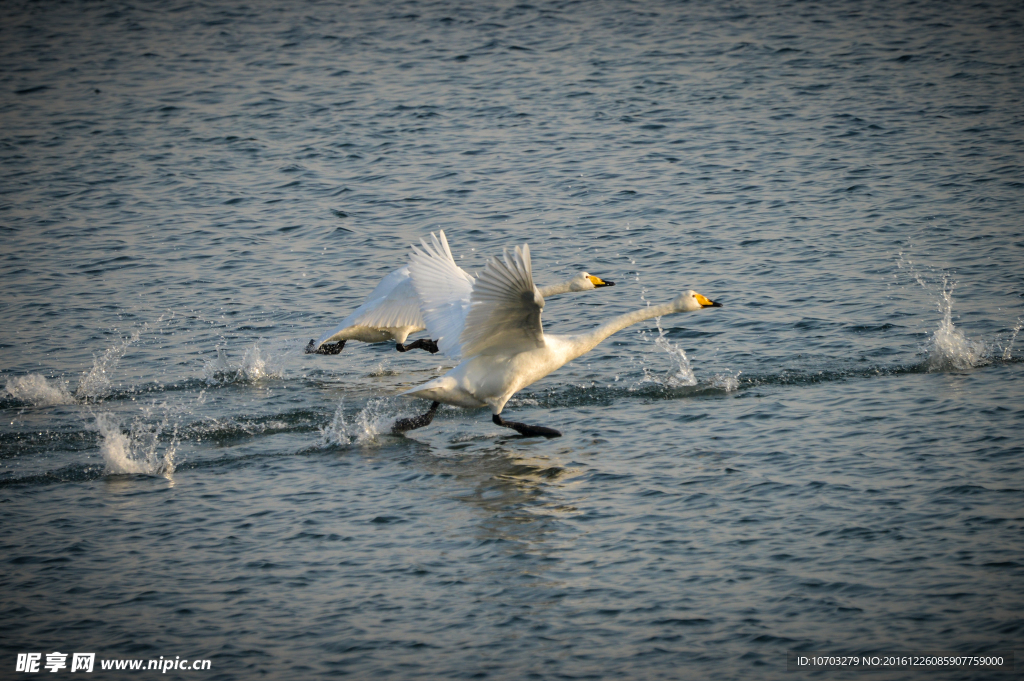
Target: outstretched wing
x=393, y=304
x=444, y=289
x=505, y=308
x=399, y=308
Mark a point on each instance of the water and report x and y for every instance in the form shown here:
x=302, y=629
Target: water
x=830, y=462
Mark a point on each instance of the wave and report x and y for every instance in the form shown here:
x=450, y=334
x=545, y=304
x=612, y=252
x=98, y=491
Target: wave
x=72, y=474
x=224, y=431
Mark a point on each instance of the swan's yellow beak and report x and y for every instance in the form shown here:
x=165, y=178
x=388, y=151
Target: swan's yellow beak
x=597, y=281
x=704, y=302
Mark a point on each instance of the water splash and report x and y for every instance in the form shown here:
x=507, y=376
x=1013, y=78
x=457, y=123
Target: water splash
x=336, y=433
x=96, y=383
x=1013, y=336
x=139, y=450
x=904, y=263
x=257, y=364
x=948, y=348
x=681, y=374
x=376, y=418
x=34, y=389
x=726, y=382
x=384, y=369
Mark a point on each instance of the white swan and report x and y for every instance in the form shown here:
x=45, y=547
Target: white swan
x=392, y=310
x=501, y=338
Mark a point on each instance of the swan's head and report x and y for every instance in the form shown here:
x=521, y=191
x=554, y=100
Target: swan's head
x=691, y=300
x=587, y=282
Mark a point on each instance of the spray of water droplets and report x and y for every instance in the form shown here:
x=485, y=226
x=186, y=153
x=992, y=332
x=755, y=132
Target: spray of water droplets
x=145, y=448
x=257, y=364
x=681, y=374
x=376, y=418
x=98, y=381
x=948, y=349
x=36, y=390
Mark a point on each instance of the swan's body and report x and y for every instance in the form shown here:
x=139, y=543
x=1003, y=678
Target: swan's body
x=392, y=311
x=500, y=335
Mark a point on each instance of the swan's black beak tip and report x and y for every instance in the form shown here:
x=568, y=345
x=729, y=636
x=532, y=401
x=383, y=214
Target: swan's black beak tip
x=714, y=304
x=607, y=283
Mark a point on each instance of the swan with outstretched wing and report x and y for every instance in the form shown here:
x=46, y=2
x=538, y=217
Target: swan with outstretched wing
x=393, y=310
x=499, y=334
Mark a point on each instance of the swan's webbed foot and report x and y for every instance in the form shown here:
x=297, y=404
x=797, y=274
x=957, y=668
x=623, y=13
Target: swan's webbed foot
x=325, y=349
x=423, y=344
x=525, y=430
x=402, y=425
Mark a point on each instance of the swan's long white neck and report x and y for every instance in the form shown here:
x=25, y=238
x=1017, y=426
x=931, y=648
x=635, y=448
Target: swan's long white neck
x=555, y=289
x=585, y=342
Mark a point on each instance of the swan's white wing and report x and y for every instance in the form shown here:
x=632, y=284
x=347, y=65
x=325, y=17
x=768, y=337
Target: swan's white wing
x=505, y=307
x=388, y=283
x=399, y=308
x=443, y=289
x=393, y=304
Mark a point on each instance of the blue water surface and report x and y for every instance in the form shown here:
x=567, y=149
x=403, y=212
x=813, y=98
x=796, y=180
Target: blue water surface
x=832, y=461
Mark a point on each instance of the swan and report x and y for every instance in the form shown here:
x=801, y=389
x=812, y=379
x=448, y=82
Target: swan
x=500, y=337
x=392, y=310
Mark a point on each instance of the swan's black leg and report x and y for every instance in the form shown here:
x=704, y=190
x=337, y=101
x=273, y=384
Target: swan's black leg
x=326, y=349
x=402, y=425
x=523, y=429
x=423, y=344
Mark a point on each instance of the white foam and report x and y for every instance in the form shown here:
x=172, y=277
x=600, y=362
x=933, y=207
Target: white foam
x=37, y=391
x=139, y=450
